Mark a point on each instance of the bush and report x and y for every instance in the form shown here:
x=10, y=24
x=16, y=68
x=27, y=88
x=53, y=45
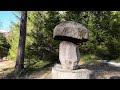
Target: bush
x=88, y=58
x=4, y=46
x=116, y=60
x=102, y=52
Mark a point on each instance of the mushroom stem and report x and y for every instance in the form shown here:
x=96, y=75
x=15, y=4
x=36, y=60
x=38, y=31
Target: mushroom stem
x=69, y=55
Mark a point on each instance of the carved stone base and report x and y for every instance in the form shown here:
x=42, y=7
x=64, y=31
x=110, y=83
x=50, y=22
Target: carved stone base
x=69, y=55
x=59, y=73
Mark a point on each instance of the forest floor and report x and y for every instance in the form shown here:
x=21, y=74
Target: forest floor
x=102, y=71
x=6, y=67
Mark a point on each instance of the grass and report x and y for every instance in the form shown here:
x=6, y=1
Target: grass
x=93, y=58
x=38, y=65
x=116, y=60
x=88, y=58
x=36, y=69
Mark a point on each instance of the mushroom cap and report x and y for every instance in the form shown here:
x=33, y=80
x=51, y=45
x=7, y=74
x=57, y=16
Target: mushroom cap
x=71, y=31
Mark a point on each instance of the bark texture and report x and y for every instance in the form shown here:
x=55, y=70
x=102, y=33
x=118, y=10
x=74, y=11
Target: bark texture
x=21, y=47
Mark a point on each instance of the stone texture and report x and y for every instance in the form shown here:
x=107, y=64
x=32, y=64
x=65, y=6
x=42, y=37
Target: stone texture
x=69, y=55
x=59, y=73
x=71, y=34
x=71, y=31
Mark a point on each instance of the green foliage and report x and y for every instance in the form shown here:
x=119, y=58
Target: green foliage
x=43, y=46
x=13, y=41
x=4, y=46
x=104, y=32
x=38, y=65
x=116, y=60
x=103, y=26
x=88, y=58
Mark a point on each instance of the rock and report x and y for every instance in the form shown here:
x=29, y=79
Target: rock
x=71, y=31
x=69, y=55
x=71, y=34
x=59, y=73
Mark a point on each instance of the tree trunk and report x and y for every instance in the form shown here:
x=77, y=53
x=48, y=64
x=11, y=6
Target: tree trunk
x=21, y=47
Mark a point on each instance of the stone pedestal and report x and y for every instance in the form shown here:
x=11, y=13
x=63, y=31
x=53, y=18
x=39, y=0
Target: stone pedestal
x=59, y=73
x=71, y=34
x=69, y=55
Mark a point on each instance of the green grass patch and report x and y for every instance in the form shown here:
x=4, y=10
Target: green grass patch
x=39, y=65
x=116, y=60
x=36, y=67
x=88, y=58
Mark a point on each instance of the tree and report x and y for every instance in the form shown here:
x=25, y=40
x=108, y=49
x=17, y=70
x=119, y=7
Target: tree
x=13, y=41
x=103, y=27
x=43, y=46
x=4, y=46
x=21, y=47
x=104, y=32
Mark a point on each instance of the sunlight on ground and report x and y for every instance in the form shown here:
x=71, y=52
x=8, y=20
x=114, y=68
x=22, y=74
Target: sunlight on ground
x=6, y=67
x=42, y=70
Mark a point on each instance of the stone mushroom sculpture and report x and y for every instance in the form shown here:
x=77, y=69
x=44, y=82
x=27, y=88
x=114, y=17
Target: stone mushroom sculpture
x=71, y=34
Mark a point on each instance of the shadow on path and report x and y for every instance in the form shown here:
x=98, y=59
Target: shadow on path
x=29, y=71
x=103, y=70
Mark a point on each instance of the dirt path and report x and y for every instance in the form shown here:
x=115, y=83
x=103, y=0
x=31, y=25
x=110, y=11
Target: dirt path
x=102, y=71
x=44, y=74
x=6, y=67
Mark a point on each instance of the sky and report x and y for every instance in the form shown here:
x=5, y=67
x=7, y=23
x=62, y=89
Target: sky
x=6, y=17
